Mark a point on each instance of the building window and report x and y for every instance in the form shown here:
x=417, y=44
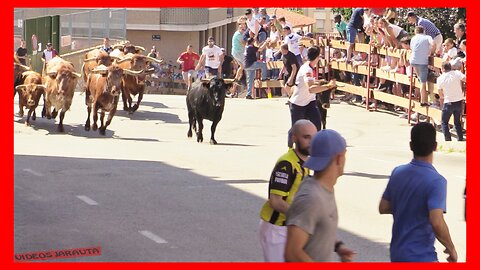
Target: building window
x=320, y=24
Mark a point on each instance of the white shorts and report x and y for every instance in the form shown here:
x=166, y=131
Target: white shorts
x=438, y=41
x=191, y=73
x=273, y=239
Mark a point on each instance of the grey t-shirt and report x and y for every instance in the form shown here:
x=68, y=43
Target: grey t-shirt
x=314, y=210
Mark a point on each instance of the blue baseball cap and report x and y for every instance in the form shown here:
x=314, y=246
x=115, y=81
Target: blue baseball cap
x=326, y=144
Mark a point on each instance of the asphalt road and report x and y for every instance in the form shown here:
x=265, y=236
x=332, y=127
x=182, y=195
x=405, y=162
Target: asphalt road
x=145, y=192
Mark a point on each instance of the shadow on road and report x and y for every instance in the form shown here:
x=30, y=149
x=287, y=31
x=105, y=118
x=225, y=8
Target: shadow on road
x=200, y=218
x=149, y=115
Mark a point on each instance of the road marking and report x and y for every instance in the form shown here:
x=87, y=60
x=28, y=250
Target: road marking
x=157, y=239
x=87, y=200
x=33, y=172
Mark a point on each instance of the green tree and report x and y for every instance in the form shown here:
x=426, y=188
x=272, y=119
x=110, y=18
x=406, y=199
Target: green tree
x=345, y=12
x=443, y=18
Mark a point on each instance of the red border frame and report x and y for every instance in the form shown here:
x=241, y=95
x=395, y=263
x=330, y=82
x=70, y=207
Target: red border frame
x=6, y=191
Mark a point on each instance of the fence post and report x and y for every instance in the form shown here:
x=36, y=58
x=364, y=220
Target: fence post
x=369, y=66
x=410, y=96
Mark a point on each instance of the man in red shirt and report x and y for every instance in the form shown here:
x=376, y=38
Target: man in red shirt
x=187, y=61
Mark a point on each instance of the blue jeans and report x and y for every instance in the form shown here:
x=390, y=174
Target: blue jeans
x=454, y=108
x=351, y=34
x=251, y=74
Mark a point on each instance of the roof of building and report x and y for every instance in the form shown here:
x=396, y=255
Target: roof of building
x=297, y=20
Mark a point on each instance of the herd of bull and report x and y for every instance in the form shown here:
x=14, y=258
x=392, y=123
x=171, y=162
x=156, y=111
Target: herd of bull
x=106, y=76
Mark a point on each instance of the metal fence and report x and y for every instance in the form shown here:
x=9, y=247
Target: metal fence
x=87, y=29
x=79, y=30
x=184, y=16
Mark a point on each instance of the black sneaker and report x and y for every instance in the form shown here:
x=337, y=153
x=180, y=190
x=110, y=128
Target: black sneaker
x=425, y=104
x=266, y=79
x=249, y=97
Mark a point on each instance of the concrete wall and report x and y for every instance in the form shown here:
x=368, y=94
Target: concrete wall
x=170, y=45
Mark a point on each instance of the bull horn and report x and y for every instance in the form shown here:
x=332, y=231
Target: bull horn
x=90, y=59
x=159, y=61
x=139, y=48
x=124, y=59
x=76, y=74
x=114, y=57
x=228, y=81
x=205, y=80
x=118, y=46
x=21, y=86
x=132, y=72
x=52, y=73
x=100, y=70
x=150, y=70
x=22, y=66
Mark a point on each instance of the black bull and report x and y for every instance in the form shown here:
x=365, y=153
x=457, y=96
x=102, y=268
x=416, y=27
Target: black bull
x=206, y=100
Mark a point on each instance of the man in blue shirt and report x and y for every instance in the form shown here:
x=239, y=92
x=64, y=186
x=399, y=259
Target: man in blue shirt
x=422, y=47
x=416, y=197
x=354, y=25
x=430, y=30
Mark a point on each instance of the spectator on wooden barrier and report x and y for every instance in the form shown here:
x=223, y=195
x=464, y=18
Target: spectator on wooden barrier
x=290, y=68
x=393, y=33
x=341, y=26
x=252, y=23
x=302, y=100
x=429, y=29
x=251, y=64
x=355, y=23
x=451, y=97
x=292, y=40
x=422, y=47
x=460, y=35
x=263, y=13
x=390, y=15
x=358, y=59
x=272, y=49
x=238, y=49
x=449, y=50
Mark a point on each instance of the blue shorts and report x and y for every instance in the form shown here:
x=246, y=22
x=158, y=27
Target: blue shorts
x=351, y=34
x=212, y=71
x=422, y=72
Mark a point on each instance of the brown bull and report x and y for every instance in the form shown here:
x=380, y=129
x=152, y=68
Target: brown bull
x=18, y=69
x=135, y=85
x=102, y=91
x=60, y=82
x=29, y=94
x=93, y=59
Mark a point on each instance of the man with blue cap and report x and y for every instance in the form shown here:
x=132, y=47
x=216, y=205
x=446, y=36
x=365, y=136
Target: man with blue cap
x=312, y=218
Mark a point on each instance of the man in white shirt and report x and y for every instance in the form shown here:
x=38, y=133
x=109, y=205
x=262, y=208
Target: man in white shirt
x=212, y=58
x=49, y=53
x=451, y=96
x=293, y=39
x=302, y=102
